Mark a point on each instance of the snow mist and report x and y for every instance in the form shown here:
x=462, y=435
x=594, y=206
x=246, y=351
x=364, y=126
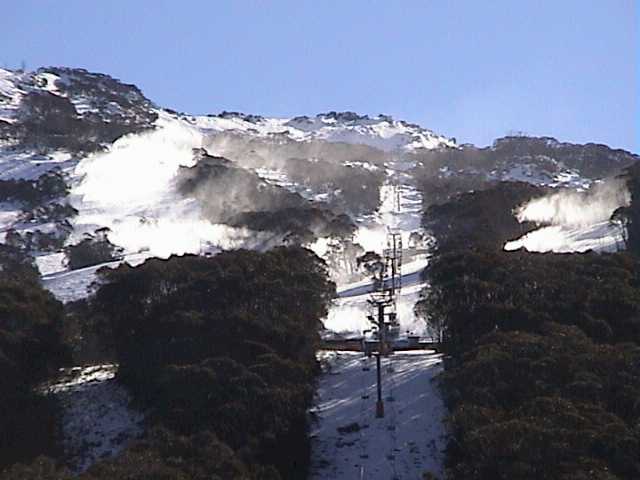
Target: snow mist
x=573, y=208
x=130, y=189
x=576, y=221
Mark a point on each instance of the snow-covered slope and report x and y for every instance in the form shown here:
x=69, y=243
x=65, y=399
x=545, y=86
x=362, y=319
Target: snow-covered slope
x=603, y=236
x=129, y=185
x=120, y=154
x=349, y=442
x=575, y=220
x=129, y=188
x=97, y=419
x=382, y=131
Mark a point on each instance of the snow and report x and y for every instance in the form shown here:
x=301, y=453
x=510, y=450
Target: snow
x=279, y=178
x=9, y=214
x=603, y=236
x=97, y=418
x=51, y=263
x=48, y=81
x=379, y=132
x=407, y=442
x=72, y=285
x=137, y=169
x=366, y=165
x=576, y=220
x=401, y=207
x=130, y=189
x=30, y=165
x=555, y=175
x=411, y=273
x=348, y=313
x=400, y=211
x=10, y=94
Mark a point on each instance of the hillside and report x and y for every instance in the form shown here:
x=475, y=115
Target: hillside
x=178, y=265
x=75, y=145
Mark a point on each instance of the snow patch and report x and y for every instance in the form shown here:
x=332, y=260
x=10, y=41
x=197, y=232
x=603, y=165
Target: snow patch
x=97, y=418
x=72, y=285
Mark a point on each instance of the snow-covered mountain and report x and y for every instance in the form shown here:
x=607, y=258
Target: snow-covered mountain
x=81, y=151
x=381, y=132
x=105, y=137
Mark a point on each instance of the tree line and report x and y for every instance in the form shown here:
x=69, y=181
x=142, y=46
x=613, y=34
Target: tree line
x=543, y=375
x=220, y=351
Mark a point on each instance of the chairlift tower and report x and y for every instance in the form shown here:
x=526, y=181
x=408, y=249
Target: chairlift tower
x=397, y=197
x=383, y=302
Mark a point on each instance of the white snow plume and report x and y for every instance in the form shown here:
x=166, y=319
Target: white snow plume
x=602, y=236
x=137, y=170
x=130, y=189
x=372, y=237
x=400, y=211
x=573, y=208
x=320, y=247
x=576, y=221
x=349, y=312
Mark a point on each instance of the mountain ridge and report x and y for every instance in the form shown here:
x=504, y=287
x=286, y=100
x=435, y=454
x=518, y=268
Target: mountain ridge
x=114, y=158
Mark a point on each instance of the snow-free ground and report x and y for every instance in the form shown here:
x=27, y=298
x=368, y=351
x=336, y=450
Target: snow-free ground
x=349, y=442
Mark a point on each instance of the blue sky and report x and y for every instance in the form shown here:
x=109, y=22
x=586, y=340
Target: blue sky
x=470, y=69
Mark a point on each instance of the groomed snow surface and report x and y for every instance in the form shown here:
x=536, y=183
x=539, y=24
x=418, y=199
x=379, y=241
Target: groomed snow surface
x=349, y=442
x=97, y=419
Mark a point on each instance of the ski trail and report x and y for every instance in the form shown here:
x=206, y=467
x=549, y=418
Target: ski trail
x=349, y=442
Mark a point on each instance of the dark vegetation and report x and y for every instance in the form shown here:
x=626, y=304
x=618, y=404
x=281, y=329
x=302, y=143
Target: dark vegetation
x=40, y=203
x=592, y=160
x=111, y=101
x=331, y=168
x=47, y=187
x=49, y=121
x=93, y=249
x=30, y=350
x=543, y=378
x=301, y=225
x=438, y=189
x=444, y=173
x=220, y=351
x=350, y=188
x=224, y=189
x=230, y=194
x=630, y=216
x=275, y=150
x=37, y=240
x=481, y=219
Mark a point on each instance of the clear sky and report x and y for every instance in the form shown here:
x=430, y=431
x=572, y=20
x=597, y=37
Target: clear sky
x=471, y=69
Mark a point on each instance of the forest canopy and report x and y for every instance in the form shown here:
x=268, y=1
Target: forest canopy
x=543, y=378
x=221, y=352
